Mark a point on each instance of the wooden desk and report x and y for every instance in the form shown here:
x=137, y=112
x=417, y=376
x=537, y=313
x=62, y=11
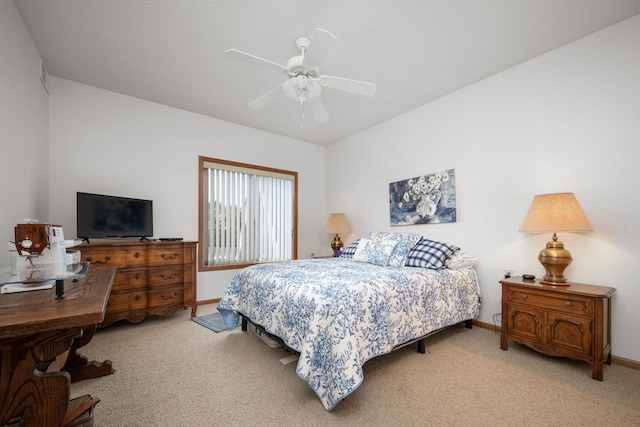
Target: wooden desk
x=39, y=335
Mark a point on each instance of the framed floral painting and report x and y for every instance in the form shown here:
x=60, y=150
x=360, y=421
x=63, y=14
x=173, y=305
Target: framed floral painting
x=426, y=199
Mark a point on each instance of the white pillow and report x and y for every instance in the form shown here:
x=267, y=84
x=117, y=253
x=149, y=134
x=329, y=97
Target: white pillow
x=375, y=252
x=460, y=259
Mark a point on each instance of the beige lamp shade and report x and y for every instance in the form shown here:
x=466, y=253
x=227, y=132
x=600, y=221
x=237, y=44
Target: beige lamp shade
x=555, y=212
x=337, y=223
x=552, y=213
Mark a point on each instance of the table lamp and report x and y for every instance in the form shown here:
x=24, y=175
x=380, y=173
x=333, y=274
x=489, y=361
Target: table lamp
x=337, y=223
x=553, y=213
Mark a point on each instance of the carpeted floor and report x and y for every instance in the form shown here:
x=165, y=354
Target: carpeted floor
x=173, y=372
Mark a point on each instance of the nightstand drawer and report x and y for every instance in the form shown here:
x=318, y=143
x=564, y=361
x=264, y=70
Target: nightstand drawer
x=565, y=303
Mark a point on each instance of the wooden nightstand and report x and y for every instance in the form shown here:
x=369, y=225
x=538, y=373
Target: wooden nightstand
x=569, y=321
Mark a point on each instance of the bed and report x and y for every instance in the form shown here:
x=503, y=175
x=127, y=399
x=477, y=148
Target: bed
x=338, y=313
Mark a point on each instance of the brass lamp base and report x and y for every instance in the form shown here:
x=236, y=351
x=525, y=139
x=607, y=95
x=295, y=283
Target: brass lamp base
x=555, y=258
x=336, y=245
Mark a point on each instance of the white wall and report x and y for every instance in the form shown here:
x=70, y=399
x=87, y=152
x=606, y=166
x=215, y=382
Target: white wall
x=24, y=121
x=108, y=143
x=566, y=121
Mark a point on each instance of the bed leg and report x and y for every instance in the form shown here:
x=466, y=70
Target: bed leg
x=421, y=346
x=467, y=324
x=244, y=324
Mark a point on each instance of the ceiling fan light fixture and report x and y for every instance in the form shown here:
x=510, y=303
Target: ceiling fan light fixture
x=302, y=89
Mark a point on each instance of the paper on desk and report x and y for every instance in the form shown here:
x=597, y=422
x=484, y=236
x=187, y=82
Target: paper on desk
x=23, y=287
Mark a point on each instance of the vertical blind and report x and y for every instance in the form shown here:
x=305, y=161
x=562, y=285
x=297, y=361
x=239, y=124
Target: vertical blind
x=250, y=215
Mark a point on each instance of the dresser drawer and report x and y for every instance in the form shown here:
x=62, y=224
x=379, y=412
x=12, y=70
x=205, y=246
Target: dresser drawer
x=125, y=281
x=98, y=258
x=126, y=302
x=165, y=256
x=120, y=259
x=162, y=277
x=170, y=296
x=565, y=303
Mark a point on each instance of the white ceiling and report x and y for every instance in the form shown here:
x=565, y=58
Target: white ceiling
x=172, y=51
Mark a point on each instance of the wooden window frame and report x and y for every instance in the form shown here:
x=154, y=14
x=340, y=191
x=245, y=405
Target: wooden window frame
x=202, y=210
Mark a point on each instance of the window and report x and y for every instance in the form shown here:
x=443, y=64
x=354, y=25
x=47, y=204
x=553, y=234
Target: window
x=248, y=214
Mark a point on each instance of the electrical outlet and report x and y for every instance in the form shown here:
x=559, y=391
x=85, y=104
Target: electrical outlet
x=508, y=272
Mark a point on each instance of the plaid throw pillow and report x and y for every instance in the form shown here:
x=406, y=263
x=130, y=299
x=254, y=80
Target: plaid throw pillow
x=430, y=254
x=350, y=250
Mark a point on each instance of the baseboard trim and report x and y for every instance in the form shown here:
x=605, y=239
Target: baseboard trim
x=616, y=360
x=208, y=301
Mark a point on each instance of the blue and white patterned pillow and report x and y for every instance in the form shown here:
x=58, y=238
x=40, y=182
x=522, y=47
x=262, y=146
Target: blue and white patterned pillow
x=430, y=254
x=375, y=252
x=350, y=250
x=405, y=242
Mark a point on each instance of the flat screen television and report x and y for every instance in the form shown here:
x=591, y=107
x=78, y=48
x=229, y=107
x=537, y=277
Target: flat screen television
x=101, y=216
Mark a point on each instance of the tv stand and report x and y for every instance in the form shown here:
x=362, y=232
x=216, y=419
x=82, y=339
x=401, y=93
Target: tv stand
x=152, y=278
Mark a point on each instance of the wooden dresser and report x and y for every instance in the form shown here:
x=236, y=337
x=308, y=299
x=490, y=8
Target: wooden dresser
x=570, y=321
x=153, y=277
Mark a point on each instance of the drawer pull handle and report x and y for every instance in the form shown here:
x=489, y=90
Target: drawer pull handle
x=166, y=277
x=524, y=296
x=175, y=255
x=137, y=297
x=137, y=276
x=166, y=297
x=106, y=260
x=567, y=303
x=136, y=255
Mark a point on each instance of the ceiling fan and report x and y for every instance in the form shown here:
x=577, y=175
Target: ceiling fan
x=305, y=83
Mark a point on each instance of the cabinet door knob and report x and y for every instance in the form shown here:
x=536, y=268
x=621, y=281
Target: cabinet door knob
x=137, y=297
x=524, y=296
x=567, y=303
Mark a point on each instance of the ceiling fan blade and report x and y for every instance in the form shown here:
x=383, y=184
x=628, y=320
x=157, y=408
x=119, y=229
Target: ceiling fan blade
x=256, y=60
x=316, y=107
x=322, y=42
x=265, y=99
x=348, y=85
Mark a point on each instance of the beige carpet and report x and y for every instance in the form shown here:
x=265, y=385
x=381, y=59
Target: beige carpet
x=174, y=372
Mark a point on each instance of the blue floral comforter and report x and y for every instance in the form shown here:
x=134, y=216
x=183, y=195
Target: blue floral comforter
x=338, y=313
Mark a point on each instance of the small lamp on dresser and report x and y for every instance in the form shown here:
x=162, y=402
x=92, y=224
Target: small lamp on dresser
x=337, y=223
x=552, y=213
